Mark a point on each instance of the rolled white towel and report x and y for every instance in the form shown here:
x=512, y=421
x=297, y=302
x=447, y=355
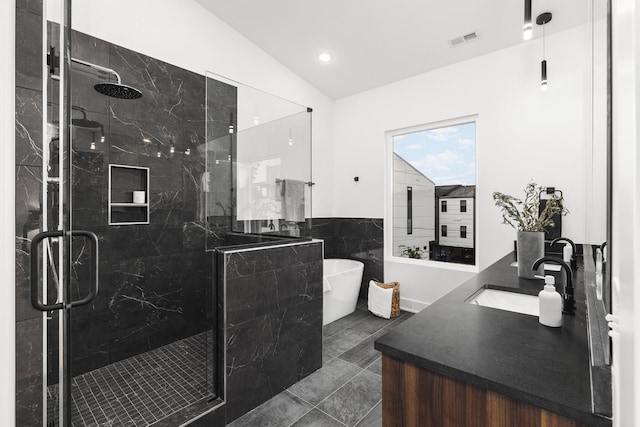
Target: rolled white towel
x=380, y=300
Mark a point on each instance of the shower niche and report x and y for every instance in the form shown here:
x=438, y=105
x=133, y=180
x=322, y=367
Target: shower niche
x=128, y=195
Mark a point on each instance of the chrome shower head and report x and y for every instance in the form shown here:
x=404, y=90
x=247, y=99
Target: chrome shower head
x=118, y=90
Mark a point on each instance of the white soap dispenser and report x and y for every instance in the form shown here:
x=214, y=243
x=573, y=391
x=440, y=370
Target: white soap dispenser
x=567, y=253
x=550, y=304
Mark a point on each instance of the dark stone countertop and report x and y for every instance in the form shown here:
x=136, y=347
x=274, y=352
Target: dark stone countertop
x=505, y=352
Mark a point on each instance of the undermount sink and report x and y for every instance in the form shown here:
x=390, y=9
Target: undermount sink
x=506, y=300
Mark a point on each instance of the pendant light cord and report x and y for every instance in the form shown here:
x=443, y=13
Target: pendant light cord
x=544, y=56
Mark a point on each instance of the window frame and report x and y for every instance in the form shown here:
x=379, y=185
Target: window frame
x=389, y=195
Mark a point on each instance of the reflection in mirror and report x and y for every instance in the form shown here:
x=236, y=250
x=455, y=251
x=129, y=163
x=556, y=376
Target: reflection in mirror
x=434, y=192
x=596, y=206
x=598, y=200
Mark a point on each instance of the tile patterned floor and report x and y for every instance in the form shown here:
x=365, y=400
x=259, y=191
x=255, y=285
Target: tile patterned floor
x=346, y=391
x=143, y=389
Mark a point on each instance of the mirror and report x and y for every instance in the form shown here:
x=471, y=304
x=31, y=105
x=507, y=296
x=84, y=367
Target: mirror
x=598, y=203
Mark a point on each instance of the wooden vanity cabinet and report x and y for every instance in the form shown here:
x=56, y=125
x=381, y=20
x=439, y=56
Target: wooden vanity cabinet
x=416, y=397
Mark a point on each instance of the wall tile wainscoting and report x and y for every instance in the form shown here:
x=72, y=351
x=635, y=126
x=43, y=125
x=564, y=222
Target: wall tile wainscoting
x=361, y=239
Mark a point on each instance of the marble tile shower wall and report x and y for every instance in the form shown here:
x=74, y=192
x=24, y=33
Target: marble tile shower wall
x=361, y=239
x=28, y=157
x=273, y=321
x=154, y=278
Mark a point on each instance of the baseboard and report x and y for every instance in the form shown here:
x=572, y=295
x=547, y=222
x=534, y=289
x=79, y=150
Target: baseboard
x=412, y=305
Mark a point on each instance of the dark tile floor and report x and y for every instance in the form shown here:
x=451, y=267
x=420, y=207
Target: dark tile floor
x=143, y=389
x=346, y=391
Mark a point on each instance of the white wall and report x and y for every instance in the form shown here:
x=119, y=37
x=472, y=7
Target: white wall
x=522, y=133
x=423, y=207
x=185, y=34
x=453, y=219
x=7, y=213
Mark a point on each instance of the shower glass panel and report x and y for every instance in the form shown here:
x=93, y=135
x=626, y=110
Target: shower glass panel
x=126, y=312
x=258, y=163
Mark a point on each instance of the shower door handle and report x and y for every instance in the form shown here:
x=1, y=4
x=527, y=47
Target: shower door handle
x=93, y=290
x=35, y=273
x=36, y=302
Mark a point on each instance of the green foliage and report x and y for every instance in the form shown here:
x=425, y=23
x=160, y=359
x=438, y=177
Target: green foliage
x=525, y=215
x=411, y=252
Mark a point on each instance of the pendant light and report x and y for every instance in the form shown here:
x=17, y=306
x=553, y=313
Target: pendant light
x=543, y=19
x=527, y=29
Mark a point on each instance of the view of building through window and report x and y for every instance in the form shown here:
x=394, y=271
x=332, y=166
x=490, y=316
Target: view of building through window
x=436, y=221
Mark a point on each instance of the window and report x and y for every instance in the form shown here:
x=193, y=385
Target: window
x=433, y=188
x=409, y=210
x=463, y=231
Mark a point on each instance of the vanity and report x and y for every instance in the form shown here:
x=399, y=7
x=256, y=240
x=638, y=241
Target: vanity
x=460, y=364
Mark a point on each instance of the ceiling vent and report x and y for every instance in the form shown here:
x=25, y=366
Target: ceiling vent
x=463, y=39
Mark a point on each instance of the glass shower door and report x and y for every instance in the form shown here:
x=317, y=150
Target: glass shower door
x=51, y=250
x=118, y=267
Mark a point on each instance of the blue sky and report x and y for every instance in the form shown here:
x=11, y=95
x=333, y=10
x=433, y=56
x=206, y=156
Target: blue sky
x=446, y=155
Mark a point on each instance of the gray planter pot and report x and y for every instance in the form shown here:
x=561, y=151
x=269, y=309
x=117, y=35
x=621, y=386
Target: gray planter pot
x=530, y=248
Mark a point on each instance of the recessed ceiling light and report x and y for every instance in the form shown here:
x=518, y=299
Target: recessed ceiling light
x=325, y=57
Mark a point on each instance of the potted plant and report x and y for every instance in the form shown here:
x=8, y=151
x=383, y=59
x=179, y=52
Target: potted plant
x=411, y=252
x=531, y=223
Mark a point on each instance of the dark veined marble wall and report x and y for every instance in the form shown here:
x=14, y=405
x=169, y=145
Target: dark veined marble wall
x=361, y=239
x=273, y=300
x=155, y=279
x=28, y=158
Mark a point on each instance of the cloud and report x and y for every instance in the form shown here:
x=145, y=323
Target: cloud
x=442, y=134
x=466, y=143
x=446, y=155
x=437, y=162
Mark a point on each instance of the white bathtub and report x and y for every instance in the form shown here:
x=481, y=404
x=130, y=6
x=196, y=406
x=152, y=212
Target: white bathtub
x=342, y=278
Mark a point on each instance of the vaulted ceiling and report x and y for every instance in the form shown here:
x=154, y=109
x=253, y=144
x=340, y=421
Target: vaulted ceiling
x=376, y=42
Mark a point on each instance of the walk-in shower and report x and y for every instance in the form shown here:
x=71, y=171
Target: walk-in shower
x=126, y=205
x=116, y=305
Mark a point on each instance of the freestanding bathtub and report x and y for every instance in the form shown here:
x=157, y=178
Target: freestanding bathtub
x=341, y=286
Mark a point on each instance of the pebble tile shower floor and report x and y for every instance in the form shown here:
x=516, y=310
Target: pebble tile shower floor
x=346, y=391
x=143, y=389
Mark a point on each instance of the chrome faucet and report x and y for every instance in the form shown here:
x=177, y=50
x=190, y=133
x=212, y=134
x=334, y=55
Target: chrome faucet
x=574, y=261
x=568, y=303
